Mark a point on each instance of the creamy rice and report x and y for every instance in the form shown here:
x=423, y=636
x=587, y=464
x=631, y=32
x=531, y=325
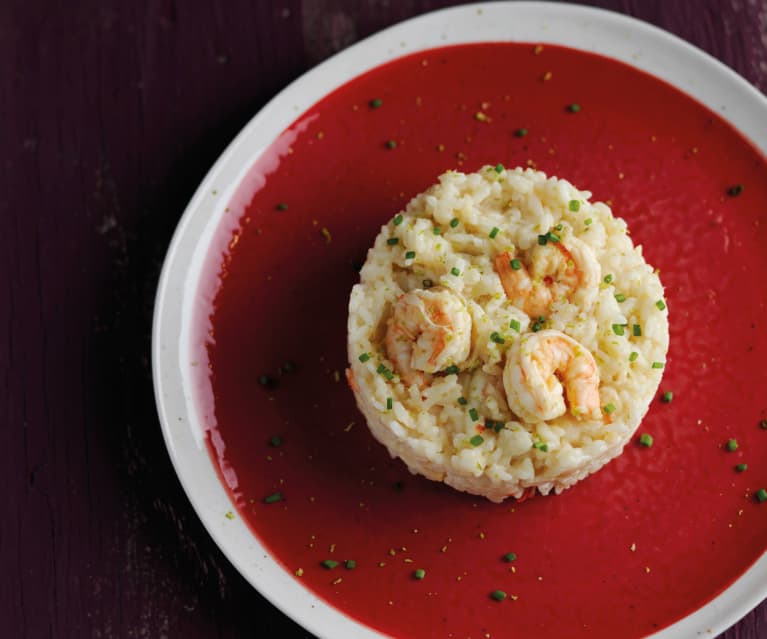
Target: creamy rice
x=458, y=427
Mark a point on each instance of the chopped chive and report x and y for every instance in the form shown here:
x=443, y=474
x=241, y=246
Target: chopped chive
x=474, y=414
x=542, y=446
x=454, y=222
x=463, y=401
x=455, y=271
x=657, y=364
x=574, y=205
x=398, y=219
x=588, y=221
x=495, y=336
x=731, y=445
x=275, y=441
x=452, y=370
x=515, y=264
x=476, y=440
x=364, y=357
x=510, y=556
x=552, y=237
x=389, y=403
x=574, y=107
x=376, y=103
x=646, y=440
x=329, y=564
x=608, y=278
x=741, y=467
x=494, y=232
x=520, y=133
x=661, y=305
x=542, y=239
x=427, y=283
x=410, y=255
x=637, y=330
x=499, y=168
x=539, y=324
x=391, y=144
x=350, y=564
x=282, y=206
x=620, y=297
x=761, y=495
x=498, y=595
x=609, y=408
x=382, y=370
x=436, y=230
x=273, y=498
x=618, y=329
x=667, y=397
x=392, y=241
x=498, y=426
x=558, y=227
x=735, y=190
x=633, y=356
x=514, y=325
x=419, y=573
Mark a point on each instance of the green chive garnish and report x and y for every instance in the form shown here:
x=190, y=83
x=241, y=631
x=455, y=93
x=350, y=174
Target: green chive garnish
x=657, y=364
x=609, y=408
x=398, y=220
x=542, y=446
x=436, y=230
x=633, y=356
x=389, y=403
x=515, y=264
x=329, y=564
x=645, y=439
x=552, y=237
x=509, y=557
x=618, y=329
x=637, y=330
x=454, y=222
x=410, y=255
x=660, y=304
x=558, y=227
x=427, y=283
x=419, y=573
x=476, y=440
x=350, y=564
x=463, y=401
x=539, y=324
x=741, y=467
x=376, y=103
x=452, y=370
x=620, y=297
x=731, y=445
x=275, y=441
x=455, y=271
x=494, y=232
x=273, y=498
x=588, y=221
x=574, y=107
x=520, y=133
x=382, y=370
x=474, y=414
x=495, y=336
x=761, y=495
x=667, y=397
x=364, y=357
x=542, y=239
x=514, y=325
x=498, y=595
x=282, y=206
x=499, y=168
x=392, y=241
x=574, y=205
x=608, y=278
x=391, y=144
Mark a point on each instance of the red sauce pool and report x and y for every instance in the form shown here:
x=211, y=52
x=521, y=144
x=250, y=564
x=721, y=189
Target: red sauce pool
x=646, y=540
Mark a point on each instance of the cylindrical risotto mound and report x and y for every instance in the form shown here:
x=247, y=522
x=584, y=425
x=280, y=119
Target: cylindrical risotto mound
x=506, y=335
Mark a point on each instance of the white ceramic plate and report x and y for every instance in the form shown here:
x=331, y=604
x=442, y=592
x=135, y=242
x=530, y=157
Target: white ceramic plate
x=628, y=40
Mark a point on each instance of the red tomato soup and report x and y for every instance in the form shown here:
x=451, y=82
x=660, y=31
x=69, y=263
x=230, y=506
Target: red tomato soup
x=648, y=539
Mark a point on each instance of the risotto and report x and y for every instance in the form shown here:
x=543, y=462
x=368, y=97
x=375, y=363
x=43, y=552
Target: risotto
x=506, y=335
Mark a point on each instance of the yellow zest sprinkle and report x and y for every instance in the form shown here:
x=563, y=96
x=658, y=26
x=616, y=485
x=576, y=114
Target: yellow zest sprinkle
x=299, y=572
x=229, y=515
x=481, y=117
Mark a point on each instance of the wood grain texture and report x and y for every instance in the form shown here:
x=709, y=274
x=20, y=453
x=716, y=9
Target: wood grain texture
x=110, y=114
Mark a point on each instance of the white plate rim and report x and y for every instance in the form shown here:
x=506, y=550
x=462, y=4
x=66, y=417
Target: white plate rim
x=620, y=37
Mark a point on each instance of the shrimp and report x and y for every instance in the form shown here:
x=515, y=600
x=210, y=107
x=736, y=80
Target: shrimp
x=563, y=269
x=428, y=332
x=539, y=365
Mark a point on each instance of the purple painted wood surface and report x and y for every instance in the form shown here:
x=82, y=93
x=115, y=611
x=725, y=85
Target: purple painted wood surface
x=110, y=114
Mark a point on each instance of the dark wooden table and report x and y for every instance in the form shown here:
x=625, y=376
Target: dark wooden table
x=110, y=114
